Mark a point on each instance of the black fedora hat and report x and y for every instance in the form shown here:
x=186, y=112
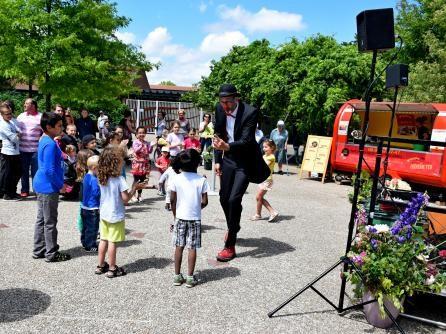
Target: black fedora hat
x=227, y=90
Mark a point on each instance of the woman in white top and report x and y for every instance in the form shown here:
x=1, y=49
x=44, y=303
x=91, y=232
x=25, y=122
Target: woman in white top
x=206, y=131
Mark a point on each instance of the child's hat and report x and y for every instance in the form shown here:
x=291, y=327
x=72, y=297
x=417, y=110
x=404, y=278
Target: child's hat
x=164, y=149
x=87, y=138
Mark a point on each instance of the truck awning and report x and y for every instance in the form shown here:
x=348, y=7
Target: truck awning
x=405, y=108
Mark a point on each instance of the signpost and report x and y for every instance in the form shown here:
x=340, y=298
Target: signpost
x=317, y=153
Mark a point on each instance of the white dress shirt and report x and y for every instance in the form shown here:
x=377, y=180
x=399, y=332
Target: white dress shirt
x=230, y=123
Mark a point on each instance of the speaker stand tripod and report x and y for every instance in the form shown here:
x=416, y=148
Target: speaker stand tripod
x=347, y=263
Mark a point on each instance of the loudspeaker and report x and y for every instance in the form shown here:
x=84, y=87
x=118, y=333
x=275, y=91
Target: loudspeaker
x=375, y=29
x=397, y=75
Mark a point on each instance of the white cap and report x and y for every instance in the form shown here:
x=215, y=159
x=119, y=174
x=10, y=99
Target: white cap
x=165, y=149
x=280, y=122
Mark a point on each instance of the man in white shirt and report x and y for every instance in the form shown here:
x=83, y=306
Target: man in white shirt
x=101, y=123
x=238, y=160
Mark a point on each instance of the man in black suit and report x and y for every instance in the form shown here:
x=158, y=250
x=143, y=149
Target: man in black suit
x=238, y=160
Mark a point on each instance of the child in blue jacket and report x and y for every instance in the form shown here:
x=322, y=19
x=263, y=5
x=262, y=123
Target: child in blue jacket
x=48, y=182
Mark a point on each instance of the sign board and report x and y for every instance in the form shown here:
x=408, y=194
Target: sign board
x=317, y=153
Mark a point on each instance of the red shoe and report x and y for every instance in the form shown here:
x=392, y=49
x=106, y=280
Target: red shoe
x=24, y=194
x=226, y=254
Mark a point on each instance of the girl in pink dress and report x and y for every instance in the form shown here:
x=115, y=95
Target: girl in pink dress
x=140, y=162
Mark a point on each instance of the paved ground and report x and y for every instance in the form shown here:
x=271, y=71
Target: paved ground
x=274, y=261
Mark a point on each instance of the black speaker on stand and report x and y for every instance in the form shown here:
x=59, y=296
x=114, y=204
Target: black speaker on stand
x=375, y=33
x=375, y=30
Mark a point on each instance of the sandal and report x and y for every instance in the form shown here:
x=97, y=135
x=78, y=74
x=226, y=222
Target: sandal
x=101, y=269
x=256, y=217
x=115, y=272
x=273, y=217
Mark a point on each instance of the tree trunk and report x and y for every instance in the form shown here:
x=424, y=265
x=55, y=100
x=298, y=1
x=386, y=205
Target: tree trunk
x=30, y=88
x=48, y=95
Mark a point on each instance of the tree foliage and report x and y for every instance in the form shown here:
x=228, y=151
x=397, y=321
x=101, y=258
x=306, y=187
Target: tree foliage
x=304, y=82
x=422, y=25
x=167, y=83
x=68, y=48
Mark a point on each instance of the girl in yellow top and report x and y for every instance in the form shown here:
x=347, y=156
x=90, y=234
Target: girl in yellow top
x=269, y=147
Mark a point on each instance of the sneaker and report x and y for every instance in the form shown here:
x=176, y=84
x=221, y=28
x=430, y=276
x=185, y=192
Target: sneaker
x=178, y=280
x=91, y=250
x=280, y=172
x=12, y=198
x=160, y=193
x=59, y=257
x=38, y=256
x=256, y=217
x=24, y=194
x=273, y=217
x=191, y=281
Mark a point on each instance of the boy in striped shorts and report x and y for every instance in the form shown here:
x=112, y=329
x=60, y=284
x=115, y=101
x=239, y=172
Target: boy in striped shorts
x=188, y=195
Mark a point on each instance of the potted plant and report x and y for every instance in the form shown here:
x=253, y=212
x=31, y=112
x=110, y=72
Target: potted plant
x=395, y=262
x=208, y=156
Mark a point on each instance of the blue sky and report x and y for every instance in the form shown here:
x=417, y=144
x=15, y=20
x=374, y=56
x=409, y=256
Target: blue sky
x=184, y=36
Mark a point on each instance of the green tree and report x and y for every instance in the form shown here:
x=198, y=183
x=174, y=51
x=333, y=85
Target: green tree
x=304, y=82
x=167, y=83
x=68, y=48
x=422, y=25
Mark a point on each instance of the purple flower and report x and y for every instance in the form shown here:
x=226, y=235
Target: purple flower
x=374, y=243
x=401, y=239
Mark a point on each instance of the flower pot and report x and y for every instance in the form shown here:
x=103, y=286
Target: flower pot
x=385, y=207
x=207, y=165
x=372, y=312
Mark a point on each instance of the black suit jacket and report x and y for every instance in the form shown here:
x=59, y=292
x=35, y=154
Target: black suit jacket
x=244, y=150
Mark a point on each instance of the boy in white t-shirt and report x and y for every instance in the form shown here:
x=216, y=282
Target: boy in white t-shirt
x=188, y=195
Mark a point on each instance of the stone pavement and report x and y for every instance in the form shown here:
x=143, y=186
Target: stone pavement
x=274, y=261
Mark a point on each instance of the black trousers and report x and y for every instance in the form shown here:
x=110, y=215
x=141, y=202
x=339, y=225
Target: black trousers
x=10, y=173
x=137, y=179
x=233, y=185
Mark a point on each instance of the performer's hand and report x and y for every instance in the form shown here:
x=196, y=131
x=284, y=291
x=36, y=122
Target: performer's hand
x=217, y=169
x=219, y=144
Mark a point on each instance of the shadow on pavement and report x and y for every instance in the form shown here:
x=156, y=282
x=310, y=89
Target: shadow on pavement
x=263, y=247
x=80, y=251
x=20, y=304
x=281, y=218
x=209, y=275
x=205, y=228
x=146, y=264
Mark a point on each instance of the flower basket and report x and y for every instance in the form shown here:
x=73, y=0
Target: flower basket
x=395, y=261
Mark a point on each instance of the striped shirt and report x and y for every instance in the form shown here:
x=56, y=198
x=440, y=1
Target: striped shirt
x=31, y=131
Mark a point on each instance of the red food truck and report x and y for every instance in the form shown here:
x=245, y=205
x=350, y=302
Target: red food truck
x=414, y=163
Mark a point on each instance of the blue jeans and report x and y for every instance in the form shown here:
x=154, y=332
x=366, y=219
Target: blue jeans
x=90, y=227
x=29, y=159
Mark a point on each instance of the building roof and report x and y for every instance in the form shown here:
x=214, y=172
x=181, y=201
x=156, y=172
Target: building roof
x=25, y=87
x=175, y=88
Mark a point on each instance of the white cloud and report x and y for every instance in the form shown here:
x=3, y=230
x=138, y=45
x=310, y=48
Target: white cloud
x=265, y=20
x=155, y=40
x=222, y=43
x=126, y=37
x=203, y=6
x=183, y=65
